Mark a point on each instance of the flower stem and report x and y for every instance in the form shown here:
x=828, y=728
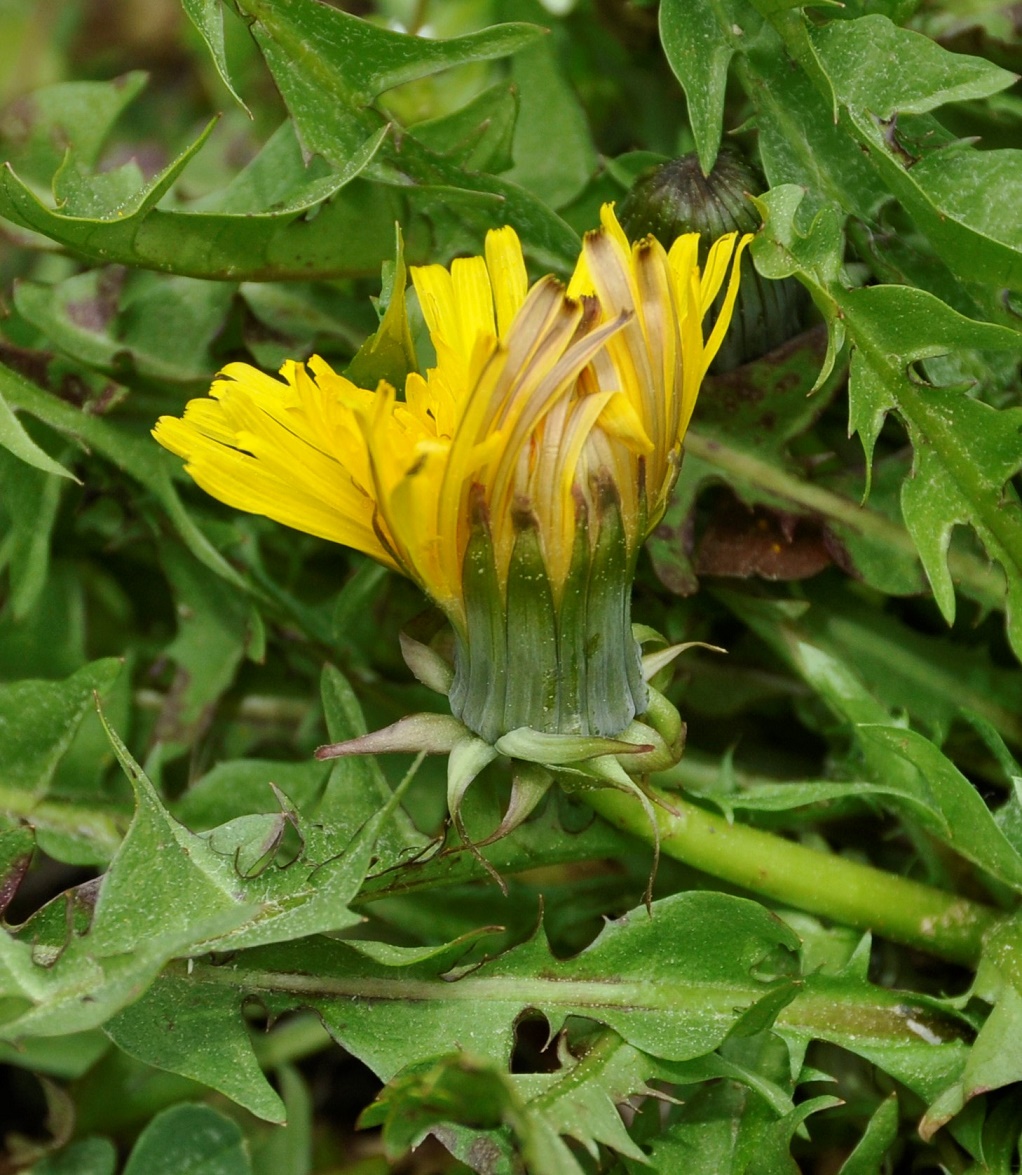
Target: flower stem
x=904, y=911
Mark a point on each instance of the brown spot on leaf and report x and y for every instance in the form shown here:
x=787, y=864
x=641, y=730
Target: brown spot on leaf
x=12, y=879
x=484, y=1155
x=781, y=371
x=18, y=121
x=71, y=388
x=889, y=130
x=96, y=313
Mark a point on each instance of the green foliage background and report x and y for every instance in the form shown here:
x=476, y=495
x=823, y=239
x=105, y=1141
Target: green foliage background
x=232, y=934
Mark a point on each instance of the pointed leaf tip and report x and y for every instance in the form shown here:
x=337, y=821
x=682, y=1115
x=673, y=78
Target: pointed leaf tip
x=468, y=757
x=652, y=663
x=436, y=734
x=529, y=784
x=426, y=664
x=536, y=746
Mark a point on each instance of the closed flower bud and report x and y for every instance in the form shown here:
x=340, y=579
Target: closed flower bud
x=675, y=198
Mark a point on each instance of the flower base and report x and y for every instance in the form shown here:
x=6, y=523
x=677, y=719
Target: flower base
x=557, y=666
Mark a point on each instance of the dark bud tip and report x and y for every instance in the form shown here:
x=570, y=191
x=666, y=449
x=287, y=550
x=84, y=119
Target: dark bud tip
x=675, y=198
x=478, y=508
x=522, y=516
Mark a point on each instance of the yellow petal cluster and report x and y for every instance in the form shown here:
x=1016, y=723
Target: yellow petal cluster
x=538, y=395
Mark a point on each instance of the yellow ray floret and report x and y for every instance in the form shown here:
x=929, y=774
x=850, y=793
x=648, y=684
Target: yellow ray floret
x=537, y=395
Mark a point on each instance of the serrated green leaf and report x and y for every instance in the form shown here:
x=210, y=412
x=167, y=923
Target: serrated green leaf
x=353, y=61
x=956, y=214
x=346, y=62
x=66, y=985
x=200, y=1033
x=877, y=67
x=579, y=1101
x=898, y=321
x=242, y=242
x=948, y=195
x=677, y=1001
x=675, y=993
x=61, y=981
x=800, y=142
x=195, y=885
x=811, y=249
x=202, y=882
x=459, y=1088
x=797, y=244
x=719, y=1129
x=119, y=194
x=981, y=448
x=891, y=327
x=970, y=449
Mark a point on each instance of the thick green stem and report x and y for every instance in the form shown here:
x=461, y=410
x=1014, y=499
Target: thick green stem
x=858, y=895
